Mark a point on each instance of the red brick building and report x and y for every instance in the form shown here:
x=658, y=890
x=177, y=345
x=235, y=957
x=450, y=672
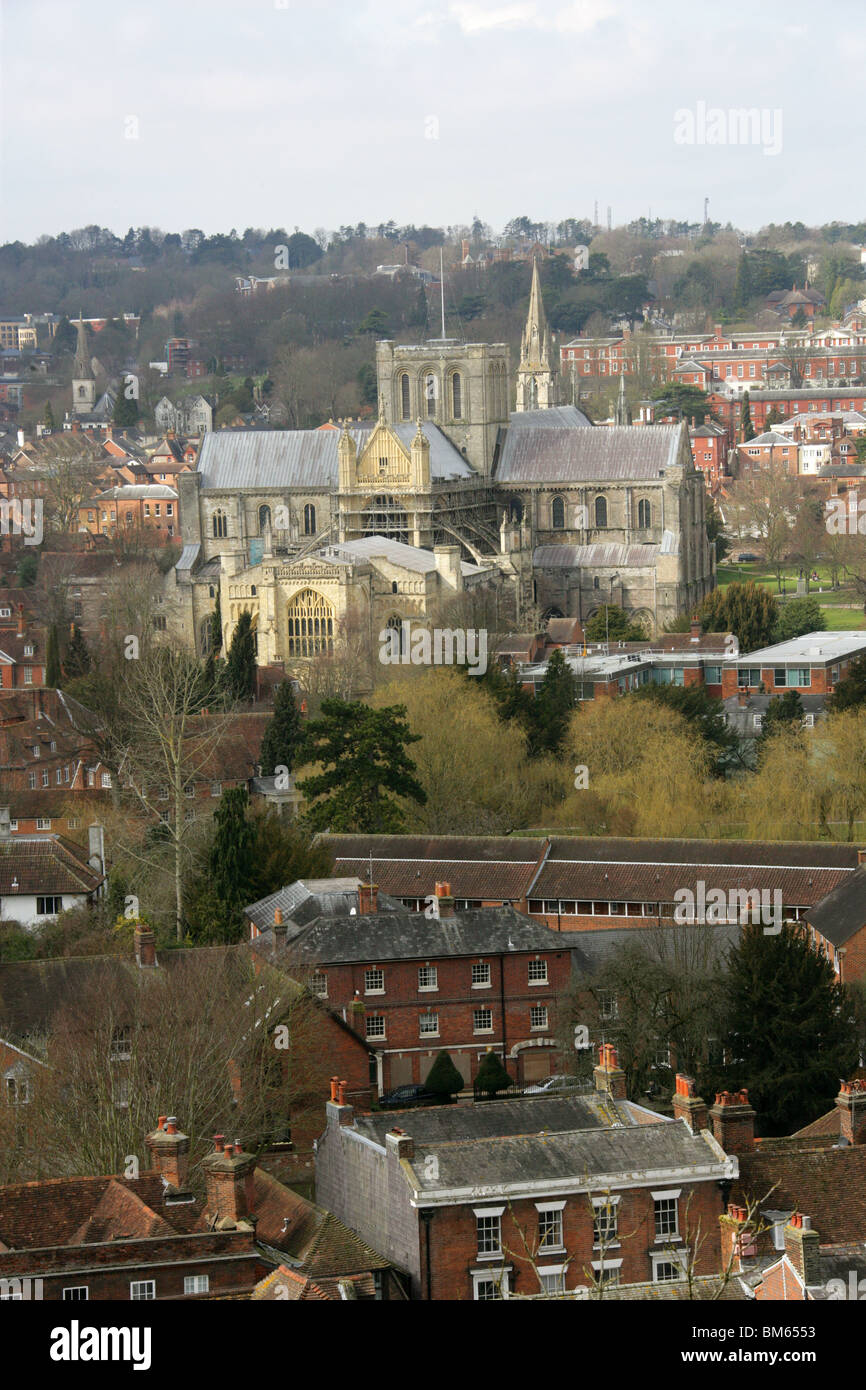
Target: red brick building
x=541, y=1194
x=837, y=927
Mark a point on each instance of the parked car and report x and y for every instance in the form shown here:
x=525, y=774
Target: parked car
x=557, y=1083
x=403, y=1097
x=747, y=557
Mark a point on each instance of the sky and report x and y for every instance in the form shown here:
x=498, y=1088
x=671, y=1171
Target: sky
x=292, y=113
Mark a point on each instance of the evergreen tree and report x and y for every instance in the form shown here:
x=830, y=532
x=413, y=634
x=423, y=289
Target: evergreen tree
x=492, y=1076
x=747, y=429
x=239, y=676
x=48, y=418
x=52, y=659
x=443, y=1078
x=126, y=412
x=554, y=703
x=231, y=863
x=365, y=765
x=705, y=713
x=749, y=611
x=612, y=623
x=27, y=570
x=216, y=627
x=850, y=691
x=284, y=735
x=77, y=660
x=799, y=615
x=743, y=291
x=790, y=1027
x=783, y=711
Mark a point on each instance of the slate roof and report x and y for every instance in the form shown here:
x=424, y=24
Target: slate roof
x=610, y=554
x=842, y=913
x=408, y=557
x=235, y=459
x=301, y=902
x=409, y=866
x=619, y=453
x=45, y=864
x=554, y=418
x=497, y=1119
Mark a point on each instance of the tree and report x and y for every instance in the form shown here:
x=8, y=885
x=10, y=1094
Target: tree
x=27, y=570
x=77, y=659
x=239, y=674
x=48, y=417
x=365, y=765
x=747, y=429
x=797, y=616
x=443, y=1078
x=850, y=691
x=216, y=628
x=612, y=623
x=554, y=703
x=492, y=1076
x=716, y=531
x=126, y=412
x=748, y=610
x=375, y=323
x=682, y=399
x=783, y=711
x=743, y=292
x=705, y=713
x=284, y=736
x=52, y=659
x=763, y=503
x=789, y=1030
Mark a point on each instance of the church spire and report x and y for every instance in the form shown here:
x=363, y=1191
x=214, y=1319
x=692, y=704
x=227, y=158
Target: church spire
x=536, y=381
x=622, y=414
x=81, y=368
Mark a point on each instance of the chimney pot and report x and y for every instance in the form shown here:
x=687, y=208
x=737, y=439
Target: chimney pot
x=219, y=1142
x=171, y=1124
x=161, y=1124
x=368, y=898
x=341, y=1090
x=334, y=1085
x=278, y=916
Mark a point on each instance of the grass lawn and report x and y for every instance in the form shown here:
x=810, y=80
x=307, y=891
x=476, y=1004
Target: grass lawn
x=838, y=617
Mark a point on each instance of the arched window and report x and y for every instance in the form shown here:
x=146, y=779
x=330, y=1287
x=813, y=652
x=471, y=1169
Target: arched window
x=595, y=582
x=394, y=588
x=430, y=394
x=311, y=625
x=385, y=516
x=644, y=514
x=456, y=393
x=309, y=520
x=204, y=637
x=557, y=513
x=220, y=524
x=600, y=512
x=264, y=518
x=405, y=403
x=395, y=624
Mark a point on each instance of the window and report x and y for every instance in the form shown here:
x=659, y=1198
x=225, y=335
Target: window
x=142, y=1289
x=550, y=1226
x=666, y=1217
x=482, y=1020
x=604, y=1221
x=17, y=1090
x=169, y=509
x=147, y=509
x=662, y=1055
x=456, y=393
x=488, y=1225
x=374, y=982
x=487, y=1288
x=666, y=1269
x=106, y=779
x=58, y=776
x=162, y=794
x=557, y=513
x=600, y=512
x=46, y=777
x=216, y=788
x=121, y=1044
x=159, y=623
x=538, y=1016
x=76, y=1293
x=430, y=394
x=606, y=1271
x=49, y=906
x=405, y=406
x=607, y=1005
x=220, y=524
x=29, y=649
x=713, y=675
x=644, y=515
x=35, y=750
x=196, y=1283
x=428, y=977
x=429, y=1026
x=538, y=968
x=31, y=781
x=43, y=823
x=189, y=789
x=311, y=625
x=157, y=509
x=309, y=520
x=551, y=1278
x=375, y=1025
x=480, y=976
x=319, y=984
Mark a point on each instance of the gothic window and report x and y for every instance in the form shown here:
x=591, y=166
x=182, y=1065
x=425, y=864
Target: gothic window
x=600, y=512
x=385, y=516
x=595, y=583
x=456, y=393
x=204, y=636
x=264, y=518
x=557, y=513
x=220, y=524
x=430, y=394
x=311, y=625
x=395, y=624
x=644, y=514
x=405, y=403
x=82, y=391
x=309, y=520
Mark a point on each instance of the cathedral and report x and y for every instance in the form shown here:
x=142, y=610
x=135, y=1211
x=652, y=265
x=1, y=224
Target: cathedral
x=361, y=525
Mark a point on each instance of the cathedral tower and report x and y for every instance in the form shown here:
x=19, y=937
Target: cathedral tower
x=536, y=380
x=83, y=380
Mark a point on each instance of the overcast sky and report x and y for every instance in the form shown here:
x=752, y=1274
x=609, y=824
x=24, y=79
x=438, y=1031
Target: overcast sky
x=290, y=113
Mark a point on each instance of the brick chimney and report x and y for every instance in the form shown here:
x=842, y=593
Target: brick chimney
x=229, y=1175
x=444, y=900
x=696, y=629
x=368, y=898
x=737, y=1239
x=337, y=1109
x=169, y=1152
x=733, y=1121
x=609, y=1075
x=851, y=1103
x=801, y=1247
x=399, y=1143
x=21, y=623
x=742, y=698
x=145, y=947
x=688, y=1105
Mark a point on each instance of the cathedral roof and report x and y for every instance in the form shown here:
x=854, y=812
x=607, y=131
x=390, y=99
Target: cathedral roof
x=407, y=557
x=555, y=417
x=305, y=458
x=629, y=453
x=605, y=556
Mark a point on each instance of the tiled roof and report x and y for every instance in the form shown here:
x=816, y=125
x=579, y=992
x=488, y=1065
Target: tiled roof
x=316, y=1241
x=825, y=1183
x=45, y=864
x=842, y=912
